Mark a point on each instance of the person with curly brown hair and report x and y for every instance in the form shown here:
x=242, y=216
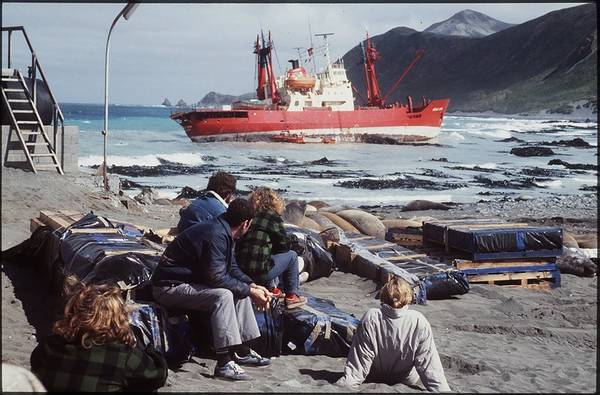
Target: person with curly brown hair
x=394, y=344
x=92, y=347
x=263, y=253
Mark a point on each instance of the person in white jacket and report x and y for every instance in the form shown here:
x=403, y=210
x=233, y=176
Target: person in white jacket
x=394, y=345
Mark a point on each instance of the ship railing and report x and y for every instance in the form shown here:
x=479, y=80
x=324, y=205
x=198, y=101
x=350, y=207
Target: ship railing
x=58, y=119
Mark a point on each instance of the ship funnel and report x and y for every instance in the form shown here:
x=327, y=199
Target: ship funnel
x=295, y=63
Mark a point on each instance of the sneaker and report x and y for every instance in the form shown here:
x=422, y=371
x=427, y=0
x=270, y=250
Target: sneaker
x=303, y=277
x=231, y=371
x=293, y=301
x=252, y=359
x=277, y=293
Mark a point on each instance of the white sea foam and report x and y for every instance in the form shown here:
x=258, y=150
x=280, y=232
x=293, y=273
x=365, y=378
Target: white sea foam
x=554, y=184
x=185, y=158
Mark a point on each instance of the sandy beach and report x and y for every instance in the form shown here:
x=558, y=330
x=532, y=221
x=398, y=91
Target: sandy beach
x=493, y=339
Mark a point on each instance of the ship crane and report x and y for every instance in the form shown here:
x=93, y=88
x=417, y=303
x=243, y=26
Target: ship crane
x=370, y=56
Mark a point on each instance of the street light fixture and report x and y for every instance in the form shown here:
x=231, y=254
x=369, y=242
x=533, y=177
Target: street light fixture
x=126, y=13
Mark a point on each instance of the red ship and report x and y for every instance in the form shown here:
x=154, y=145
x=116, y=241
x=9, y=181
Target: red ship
x=317, y=105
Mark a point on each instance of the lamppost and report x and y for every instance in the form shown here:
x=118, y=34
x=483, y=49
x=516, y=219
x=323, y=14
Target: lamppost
x=126, y=13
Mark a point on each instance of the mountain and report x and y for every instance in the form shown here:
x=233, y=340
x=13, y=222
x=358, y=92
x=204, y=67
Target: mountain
x=468, y=23
x=545, y=63
x=213, y=99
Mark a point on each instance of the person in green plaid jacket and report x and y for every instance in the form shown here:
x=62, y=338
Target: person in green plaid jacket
x=263, y=252
x=92, y=347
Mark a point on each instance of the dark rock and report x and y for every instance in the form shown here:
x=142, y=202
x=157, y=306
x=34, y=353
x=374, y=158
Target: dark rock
x=540, y=172
x=440, y=159
x=188, y=193
x=576, y=166
x=166, y=169
x=524, y=183
x=532, y=151
x=576, y=142
x=511, y=139
x=128, y=184
x=474, y=168
x=589, y=188
x=407, y=182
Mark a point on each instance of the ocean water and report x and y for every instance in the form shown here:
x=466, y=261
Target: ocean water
x=468, y=163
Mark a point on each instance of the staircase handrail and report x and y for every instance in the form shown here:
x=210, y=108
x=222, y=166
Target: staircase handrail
x=57, y=115
x=35, y=65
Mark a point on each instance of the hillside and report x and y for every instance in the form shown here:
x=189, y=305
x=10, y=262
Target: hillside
x=468, y=23
x=544, y=63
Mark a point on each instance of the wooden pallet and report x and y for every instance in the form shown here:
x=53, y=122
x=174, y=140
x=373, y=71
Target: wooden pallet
x=404, y=238
x=538, y=274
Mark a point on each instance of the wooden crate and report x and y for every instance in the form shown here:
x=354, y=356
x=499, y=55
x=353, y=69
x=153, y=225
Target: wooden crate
x=55, y=219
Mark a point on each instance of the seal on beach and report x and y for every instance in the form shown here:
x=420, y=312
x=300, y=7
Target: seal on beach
x=307, y=222
x=365, y=222
x=339, y=221
x=294, y=212
x=419, y=205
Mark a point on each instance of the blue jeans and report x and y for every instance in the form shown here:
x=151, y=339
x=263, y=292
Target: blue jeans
x=286, y=269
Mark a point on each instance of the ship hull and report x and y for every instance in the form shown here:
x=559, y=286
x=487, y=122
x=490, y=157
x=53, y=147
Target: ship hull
x=361, y=125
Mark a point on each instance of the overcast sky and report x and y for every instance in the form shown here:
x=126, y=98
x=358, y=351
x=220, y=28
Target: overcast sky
x=183, y=51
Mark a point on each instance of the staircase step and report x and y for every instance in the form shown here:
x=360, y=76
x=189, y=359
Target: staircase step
x=53, y=166
x=10, y=79
x=46, y=154
x=14, y=90
x=27, y=122
x=18, y=100
x=34, y=144
x=23, y=111
x=26, y=133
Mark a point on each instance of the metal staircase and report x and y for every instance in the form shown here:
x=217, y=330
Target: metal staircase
x=25, y=119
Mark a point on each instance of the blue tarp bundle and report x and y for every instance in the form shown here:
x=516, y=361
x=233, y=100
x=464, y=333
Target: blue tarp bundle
x=318, y=328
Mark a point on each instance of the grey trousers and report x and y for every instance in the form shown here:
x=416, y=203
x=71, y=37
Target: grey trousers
x=232, y=320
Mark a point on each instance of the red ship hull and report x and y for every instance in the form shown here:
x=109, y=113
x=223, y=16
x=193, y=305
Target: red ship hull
x=396, y=122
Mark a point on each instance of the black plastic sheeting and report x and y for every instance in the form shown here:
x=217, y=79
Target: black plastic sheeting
x=171, y=336
x=497, y=242
x=132, y=268
x=319, y=328
x=445, y=284
x=318, y=262
x=270, y=324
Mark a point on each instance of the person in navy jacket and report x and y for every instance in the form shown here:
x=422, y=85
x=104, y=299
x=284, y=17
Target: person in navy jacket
x=198, y=272
x=220, y=191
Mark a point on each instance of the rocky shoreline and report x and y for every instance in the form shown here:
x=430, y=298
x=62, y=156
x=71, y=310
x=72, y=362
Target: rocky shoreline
x=493, y=339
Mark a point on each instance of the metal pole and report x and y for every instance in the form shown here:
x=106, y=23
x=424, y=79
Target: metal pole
x=9, y=47
x=105, y=130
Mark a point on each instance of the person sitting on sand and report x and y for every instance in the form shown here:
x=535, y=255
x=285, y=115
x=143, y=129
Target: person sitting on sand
x=394, y=344
x=92, y=347
x=198, y=272
x=220, y=191
x=263, y=252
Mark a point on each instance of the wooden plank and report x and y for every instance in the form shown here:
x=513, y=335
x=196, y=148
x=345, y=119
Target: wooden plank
x=379, y=246
x=404, y=257
x=139, y=251
x=357, y=238
x=53, y=220
x=509, y=276
x=490, y=226
x=462, y=264
x=95, y=230
x=35, y=223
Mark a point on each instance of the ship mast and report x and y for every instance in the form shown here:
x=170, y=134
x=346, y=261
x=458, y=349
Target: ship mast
x=326, y=46
x=265, y=70
x=370, y=56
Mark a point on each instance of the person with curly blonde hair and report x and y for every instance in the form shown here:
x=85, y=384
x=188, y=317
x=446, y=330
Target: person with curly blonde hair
x=92, y=347
x=263, y=253
x=394, y=344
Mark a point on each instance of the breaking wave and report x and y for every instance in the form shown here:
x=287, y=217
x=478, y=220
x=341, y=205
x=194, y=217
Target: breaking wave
x=184, y=158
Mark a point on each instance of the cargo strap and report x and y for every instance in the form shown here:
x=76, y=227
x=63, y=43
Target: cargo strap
x=323, y=322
